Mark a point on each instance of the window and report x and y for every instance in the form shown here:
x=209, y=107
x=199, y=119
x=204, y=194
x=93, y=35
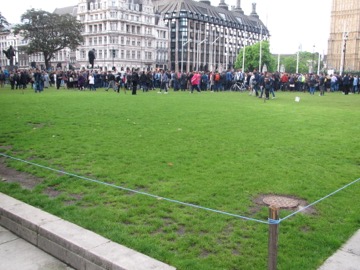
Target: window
x=113, y=26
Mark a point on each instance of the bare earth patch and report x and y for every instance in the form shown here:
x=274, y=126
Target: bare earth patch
x=10, y=175
x=28, y=181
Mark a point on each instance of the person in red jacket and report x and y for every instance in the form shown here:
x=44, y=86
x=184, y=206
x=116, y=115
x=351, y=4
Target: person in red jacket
x=195, y=82
x=284, y=81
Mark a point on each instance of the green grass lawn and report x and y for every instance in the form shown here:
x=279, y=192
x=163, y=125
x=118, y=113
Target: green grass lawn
x=217, y=150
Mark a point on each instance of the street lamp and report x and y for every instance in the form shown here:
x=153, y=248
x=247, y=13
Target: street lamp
x=182, y=52
x=343, y=52
x=313, y=63
x=197, y=58
x=243, y=60
x=214, y=51
x=113, y=57
x=260, y=53
x=297, y=58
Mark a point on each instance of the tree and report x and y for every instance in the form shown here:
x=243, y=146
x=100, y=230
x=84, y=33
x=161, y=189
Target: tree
x=252, y=57
x=305, y=60
x=48, y=33
x=3, y=22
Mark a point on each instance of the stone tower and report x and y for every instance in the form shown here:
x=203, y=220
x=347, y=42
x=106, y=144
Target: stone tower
x=344, y=43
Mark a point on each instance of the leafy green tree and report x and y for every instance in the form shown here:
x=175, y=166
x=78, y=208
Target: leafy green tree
x=252, y=57
x=3, y=22
x=305, y=60
x=48, y=33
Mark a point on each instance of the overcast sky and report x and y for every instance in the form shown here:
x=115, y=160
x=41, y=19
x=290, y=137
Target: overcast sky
x=291, y=24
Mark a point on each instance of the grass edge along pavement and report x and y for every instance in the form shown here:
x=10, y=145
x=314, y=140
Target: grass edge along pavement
x=176, y=221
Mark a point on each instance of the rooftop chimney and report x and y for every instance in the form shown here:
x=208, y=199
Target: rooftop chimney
x=238, y=9
x=253, y=13
x=223, y=5
x=206, y=2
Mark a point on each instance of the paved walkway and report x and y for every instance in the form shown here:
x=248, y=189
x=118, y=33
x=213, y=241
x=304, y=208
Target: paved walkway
x=18, y=254
x=347, y=257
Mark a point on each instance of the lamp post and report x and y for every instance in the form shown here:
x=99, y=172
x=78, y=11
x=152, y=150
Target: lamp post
x=343, y=53
x=297, y=59
x=197, y=58
x=182, y=52
x=313, y=63
x=260, y=54
x=243, y=60
x=113, y=57
x=214, y=52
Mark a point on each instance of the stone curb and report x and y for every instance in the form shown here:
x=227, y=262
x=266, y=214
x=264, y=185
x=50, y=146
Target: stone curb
x=75, y=246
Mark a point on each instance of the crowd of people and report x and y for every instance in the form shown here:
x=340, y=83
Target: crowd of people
x=257, y=83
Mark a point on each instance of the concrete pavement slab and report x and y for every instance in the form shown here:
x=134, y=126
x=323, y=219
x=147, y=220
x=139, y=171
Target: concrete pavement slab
x=16, y=254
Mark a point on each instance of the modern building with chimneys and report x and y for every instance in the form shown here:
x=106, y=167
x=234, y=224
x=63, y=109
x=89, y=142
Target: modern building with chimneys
x=205, y=37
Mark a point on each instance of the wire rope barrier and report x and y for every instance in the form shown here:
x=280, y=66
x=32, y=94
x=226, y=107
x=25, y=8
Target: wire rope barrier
x=269, y=221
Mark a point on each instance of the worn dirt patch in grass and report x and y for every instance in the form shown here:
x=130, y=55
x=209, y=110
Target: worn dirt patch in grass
x=11, y=175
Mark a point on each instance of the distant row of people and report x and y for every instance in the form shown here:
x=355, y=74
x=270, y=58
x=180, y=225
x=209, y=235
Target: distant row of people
x=162, y=80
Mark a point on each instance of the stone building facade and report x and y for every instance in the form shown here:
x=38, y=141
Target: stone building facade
x=344, y=41
x=123, y=34
x=148, y=34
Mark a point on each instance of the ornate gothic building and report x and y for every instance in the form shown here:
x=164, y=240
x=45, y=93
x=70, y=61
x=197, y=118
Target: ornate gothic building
x=344, y=42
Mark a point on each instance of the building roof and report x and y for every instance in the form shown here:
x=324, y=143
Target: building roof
x=72, y=10
x=221, y=13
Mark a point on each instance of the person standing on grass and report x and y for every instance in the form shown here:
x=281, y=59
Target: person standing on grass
x=346, y=84
x=37, y=81
x=268, y=85
x=58, y=79
x=111, y=80
x=355, y=84
x=164, y=79
x=91, y=79
x=135, y=81
x=322, y=85
x=312, y=84
x=195, y=82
